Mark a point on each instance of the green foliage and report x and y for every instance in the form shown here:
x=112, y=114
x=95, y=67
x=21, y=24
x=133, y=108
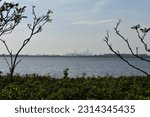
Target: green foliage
x=44, y=87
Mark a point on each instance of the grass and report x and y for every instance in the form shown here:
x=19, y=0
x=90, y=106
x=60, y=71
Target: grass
x=35, y=87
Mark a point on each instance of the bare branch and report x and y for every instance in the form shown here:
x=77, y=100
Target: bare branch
x=127, y=42
x=7, y=62
x=120, y=56
x=36, y=28
x=10, y=17
x=18, y=62
x=144, y=32
x=6, y=46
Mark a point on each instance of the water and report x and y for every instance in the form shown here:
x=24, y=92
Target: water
x=91, y=66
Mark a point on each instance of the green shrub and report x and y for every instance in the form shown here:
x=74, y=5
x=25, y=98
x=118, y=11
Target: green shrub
x=44, y=87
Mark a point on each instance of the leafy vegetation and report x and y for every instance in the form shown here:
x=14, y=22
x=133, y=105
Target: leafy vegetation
x=44, y=87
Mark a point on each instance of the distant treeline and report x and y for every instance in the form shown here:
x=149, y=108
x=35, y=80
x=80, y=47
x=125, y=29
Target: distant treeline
x=104, y=55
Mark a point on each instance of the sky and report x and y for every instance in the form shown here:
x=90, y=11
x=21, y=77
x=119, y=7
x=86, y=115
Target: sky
x=80, y=26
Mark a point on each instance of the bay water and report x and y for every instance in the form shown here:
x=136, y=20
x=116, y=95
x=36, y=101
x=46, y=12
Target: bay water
x=78, y=66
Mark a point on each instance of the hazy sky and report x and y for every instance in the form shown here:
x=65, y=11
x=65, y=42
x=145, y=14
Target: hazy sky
x=81, y=25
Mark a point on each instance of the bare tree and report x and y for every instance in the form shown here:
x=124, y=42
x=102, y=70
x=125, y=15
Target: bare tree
x=10, y=17
x=141, y=33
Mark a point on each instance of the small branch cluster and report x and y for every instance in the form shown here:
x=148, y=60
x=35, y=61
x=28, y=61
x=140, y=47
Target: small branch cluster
x=144, y=32
x=10, y=16
x=141, y=37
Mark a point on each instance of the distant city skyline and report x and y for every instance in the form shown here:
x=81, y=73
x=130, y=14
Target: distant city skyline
x=81, y=25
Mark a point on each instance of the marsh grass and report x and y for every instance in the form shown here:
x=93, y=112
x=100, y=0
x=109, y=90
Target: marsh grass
x=35, y=87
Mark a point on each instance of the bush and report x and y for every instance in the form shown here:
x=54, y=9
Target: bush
x=37, y=87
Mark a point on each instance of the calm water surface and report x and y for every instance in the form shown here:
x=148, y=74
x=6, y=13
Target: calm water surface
x=92, y=66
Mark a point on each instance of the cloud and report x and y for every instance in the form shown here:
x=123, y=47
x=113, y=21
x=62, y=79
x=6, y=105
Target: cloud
x=90, y=22
x=99, y=5
x=91, y=13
